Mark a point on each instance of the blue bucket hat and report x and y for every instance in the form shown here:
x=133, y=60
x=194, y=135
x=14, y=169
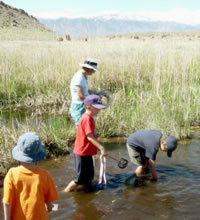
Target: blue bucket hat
x=171, y=142
x=29, y=148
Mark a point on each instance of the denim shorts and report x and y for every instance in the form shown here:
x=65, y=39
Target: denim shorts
x=76, y=111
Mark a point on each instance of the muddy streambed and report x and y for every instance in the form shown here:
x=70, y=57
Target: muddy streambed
x=176, y=195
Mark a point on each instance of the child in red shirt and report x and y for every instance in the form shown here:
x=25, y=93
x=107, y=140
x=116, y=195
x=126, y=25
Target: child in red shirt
x=86, y=144
x=28, y=190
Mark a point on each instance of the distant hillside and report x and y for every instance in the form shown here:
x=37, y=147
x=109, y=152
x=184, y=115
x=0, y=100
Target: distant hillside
x=99, y=26
x=18, y=18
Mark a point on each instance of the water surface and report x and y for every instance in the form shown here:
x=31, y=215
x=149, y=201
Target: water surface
x=176, y=194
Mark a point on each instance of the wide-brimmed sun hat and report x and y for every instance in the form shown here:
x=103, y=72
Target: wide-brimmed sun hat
x=94, y=100
x=171, y=142
x=90, y=64
x=29, y=148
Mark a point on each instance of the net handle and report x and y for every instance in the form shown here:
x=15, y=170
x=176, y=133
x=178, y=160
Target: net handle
x=113, y=158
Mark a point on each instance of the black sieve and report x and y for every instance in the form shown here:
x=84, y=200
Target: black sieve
x=105, y=96
x=122, y=163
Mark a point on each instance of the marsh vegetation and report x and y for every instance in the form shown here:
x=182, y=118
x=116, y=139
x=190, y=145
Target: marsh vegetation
x=154, y=81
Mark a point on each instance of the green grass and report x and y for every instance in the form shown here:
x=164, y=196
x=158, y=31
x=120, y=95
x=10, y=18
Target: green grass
x=155, y=84
x=25, y=34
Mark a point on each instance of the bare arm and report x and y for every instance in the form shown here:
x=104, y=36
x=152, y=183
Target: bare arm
x=151, y=165
x=80, y=92
x=7, y=211
x=94, y=141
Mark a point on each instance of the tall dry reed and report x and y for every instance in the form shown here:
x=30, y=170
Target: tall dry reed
x=155, y=84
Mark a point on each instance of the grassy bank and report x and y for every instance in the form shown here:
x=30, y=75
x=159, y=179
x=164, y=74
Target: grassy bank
x=14, y=34
x=155, y=83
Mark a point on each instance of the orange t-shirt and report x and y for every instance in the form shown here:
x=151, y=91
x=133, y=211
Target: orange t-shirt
x=26, y=190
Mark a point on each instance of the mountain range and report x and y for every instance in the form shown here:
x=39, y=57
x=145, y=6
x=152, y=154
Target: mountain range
x=88, y=26
x=100, y=26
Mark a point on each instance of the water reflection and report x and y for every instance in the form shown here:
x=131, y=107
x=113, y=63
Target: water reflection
x=165, y=172
x=93, y=212
x=176, y=194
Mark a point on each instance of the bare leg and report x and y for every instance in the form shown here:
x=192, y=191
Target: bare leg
x=70, y=187
x=139, y=171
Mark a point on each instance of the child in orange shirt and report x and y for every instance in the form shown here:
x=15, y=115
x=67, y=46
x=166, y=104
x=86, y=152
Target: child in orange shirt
x=28, y=190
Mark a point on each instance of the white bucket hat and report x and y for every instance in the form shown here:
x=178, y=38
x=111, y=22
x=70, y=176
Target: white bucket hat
x=90, y=64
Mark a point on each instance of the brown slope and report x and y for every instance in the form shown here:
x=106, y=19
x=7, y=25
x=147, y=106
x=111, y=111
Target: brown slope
x=18, y=18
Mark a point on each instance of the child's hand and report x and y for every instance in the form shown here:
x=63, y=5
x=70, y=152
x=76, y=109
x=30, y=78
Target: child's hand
x=103, y=152
x=49, y=206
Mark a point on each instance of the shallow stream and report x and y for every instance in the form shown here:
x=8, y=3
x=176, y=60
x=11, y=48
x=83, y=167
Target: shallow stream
x=176, y=195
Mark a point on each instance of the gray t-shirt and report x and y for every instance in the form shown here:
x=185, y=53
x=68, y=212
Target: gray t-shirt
x=147, y=141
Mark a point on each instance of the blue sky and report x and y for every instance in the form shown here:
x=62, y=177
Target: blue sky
x=187, y=11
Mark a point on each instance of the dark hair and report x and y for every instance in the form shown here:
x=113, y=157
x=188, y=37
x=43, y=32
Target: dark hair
x=86, y=69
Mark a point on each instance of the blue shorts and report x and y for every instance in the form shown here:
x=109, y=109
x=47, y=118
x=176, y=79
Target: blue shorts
x=76, y=111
